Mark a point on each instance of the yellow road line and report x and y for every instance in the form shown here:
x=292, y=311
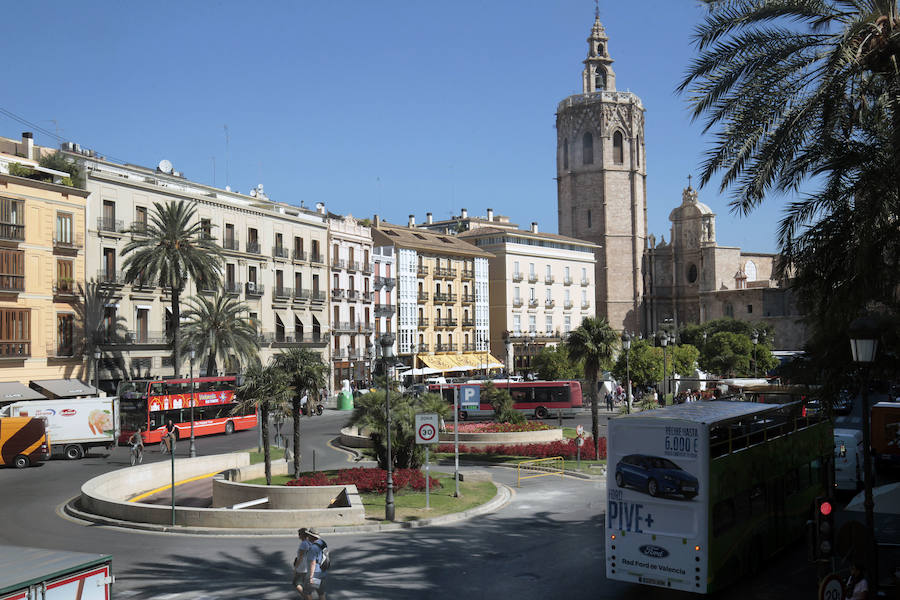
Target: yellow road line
x=351, y=457
x=165, y=487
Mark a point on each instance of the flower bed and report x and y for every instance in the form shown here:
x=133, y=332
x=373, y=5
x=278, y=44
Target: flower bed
x=368, y=479
x=499, y=427
x=566, y=449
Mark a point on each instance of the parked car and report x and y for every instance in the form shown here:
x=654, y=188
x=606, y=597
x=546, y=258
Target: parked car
x=656, y=475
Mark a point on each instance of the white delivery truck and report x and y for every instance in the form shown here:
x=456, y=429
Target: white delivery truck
x=73, y=424
x=27, y=573
x=848, y=459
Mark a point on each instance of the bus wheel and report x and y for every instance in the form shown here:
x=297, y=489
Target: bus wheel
x=541, y=413
x=229, y=427
x=74, y=452
x=21, y=461
x=652, y=487
x=463, y=415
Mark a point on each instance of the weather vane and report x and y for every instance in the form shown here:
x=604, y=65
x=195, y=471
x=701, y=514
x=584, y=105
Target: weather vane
x=596, y=9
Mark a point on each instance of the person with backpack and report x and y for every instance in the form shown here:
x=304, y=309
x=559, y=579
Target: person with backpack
x=300, y=564
x=318, y=562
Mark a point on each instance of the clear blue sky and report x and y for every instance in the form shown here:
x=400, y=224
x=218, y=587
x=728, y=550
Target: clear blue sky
x=393, y=107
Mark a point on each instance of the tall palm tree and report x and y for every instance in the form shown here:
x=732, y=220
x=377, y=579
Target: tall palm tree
x=594, y=342
x=97, y=328
x=265, y=387
x=306, y=374
x=172, y=248
x=217, y=328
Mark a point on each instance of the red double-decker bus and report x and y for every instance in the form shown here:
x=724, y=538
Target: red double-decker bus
x=151, y=403
x=539, y=398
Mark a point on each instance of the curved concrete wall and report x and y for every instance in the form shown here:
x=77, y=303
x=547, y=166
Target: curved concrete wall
x=352, y=438
x=316, y=505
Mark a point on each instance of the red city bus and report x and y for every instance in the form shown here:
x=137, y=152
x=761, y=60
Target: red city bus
x=150, y=404
x=539, y=398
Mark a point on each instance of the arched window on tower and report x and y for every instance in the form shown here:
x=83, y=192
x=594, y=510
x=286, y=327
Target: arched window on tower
x=618, y=148
x=637, y=151
x=566, y=154
x=587, y=151
x=600, y=79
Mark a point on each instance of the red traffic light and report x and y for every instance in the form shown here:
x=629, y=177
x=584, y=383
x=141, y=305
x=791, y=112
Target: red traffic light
x=825, y=508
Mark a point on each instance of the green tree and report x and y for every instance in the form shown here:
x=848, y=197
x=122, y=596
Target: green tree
x=306, y=374
x=502, y=403
x=370, y=413
x=645, y=363
x=593, y=343
x=727, y=354
x=171, y=249
x=97, y=327
x=552, y=363
x=59, y=162
x=266, y=388
x=682, y=359
x=218, y=328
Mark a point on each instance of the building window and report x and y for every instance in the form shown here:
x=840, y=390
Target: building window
x=587, y=152
x=65, y=335
x=109, y=265
x=205, y=228
x=637, y=151
x=566, y=154
x=142, y=321
x=532, y=324
x=589, y=218
x=749, y=308
x=109, y=215
x=547, y=299
x=618, y=148
x=12, y=270
x=516, y=295
x=532, y=295
x=692, y=273
x=65, y=281
x=568, y=298
x=15, y=332
x=64, y=228
x=728, y=310
x=517, y=325
x=600, y=78
x=567, y=324
x=516, y=269
x=548, y=323
x=298, y=282
x=750, y=270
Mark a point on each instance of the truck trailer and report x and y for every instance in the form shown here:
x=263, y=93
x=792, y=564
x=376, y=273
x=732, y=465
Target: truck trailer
x=30, y=573
x=74, y=424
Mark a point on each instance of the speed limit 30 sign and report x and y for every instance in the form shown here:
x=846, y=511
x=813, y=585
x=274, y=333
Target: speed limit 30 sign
x=426, y=428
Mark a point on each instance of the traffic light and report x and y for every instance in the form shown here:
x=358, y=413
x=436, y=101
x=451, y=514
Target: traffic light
x=824, y=534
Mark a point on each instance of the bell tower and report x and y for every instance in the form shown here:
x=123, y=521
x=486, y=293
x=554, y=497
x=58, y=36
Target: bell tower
x=601, y=182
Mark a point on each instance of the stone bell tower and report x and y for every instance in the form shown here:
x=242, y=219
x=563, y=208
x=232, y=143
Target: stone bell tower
x=602, y=182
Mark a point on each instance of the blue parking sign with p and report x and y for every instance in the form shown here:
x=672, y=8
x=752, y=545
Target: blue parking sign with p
x=470, y=397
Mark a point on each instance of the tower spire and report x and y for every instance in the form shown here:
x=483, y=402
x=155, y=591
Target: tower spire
x=598, y=75
x=596, y=10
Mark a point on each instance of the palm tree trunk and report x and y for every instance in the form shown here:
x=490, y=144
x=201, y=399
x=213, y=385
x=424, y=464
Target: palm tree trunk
x=211, y=364
x=267, y=454
x=176, y=330
x=297, y=415
x=595, y=416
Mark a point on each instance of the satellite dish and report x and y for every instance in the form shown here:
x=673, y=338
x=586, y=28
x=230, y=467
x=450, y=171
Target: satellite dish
x=165, y=166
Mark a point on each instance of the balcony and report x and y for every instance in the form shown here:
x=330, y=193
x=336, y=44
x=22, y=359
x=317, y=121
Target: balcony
x=468, y=274
x=338, y=353
x=13, y=233
x=109, y=225
x=385, y=310
x=468, y=348
x=299, y=255
x=420, y=348
x=15, y=349
x=568, y=305
x=517, y=303
x=585, y=306
x=344, y=327
x=147, y=338
x=316, y=258
x=354, y=354
x=255, y=289
x=352, y=265
x=61, y=350
x=532, y=278
x=301, y=295
x=366, y=327
x=353, y=295
x=422, y=270
x=317, y=296
x=549, y=303
x=445, y=322
x=12, y=283
x=383, y=282
x=67, y=244
x=445, y=273
x=585, y=283
x=337, y=264
x=468, y=323
x=423, y=323
x=367, y=268
x=147, y=285
x=253, y=247
x=468, y=298
x=64, y=288
x=567, y=280
x=549, y=279
x=338, y=294
x=517, y=277
x=423, y=297
x=282, y=292
x=368, y=297
x=138, y=228
x=445, y=348
x=232, y=287
x=280, y=252
x=444, y=297
x=231, y=244
x=532, y=303
x=110, y=277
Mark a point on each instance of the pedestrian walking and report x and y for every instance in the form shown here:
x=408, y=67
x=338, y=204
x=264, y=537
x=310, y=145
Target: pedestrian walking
x=857, y=587
x=609, y=401
x=317, y=564
x=300, y=563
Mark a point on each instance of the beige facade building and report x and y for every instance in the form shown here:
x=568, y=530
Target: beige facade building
x=352, y=306
x=541, y=287
x=385, y=286
x=692, y=279
x=443, y=317
x=464, y=222
x=42, y=262
x=274, y=261
x=601, y=182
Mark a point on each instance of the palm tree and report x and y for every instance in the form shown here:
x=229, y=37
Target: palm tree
x=98, y=327
x=217, y=328
x=172, y=248
x=306, y=375
x=266, y=388
x=593, y=342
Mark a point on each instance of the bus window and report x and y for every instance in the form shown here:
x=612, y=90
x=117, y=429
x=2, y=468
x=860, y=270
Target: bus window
x=202, y=386
x=521, y=395
x=757, y=500
x=723, y=516
x=174, y=415
x=542, y=395
x=158, y=388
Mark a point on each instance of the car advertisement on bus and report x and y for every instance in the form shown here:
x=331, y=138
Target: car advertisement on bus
x=656, y=491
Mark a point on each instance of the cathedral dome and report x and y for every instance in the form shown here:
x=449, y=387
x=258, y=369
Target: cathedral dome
x=691, y=207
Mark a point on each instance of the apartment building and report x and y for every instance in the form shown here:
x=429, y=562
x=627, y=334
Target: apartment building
x=352, y=306
x=274, y=262
x=385, y=286
x=42, y=262
x=442, y=298
x=541, y=288
x=465, y=222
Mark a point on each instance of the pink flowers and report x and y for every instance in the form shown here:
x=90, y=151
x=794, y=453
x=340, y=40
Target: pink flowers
x=565, y=448
x=368, y=480
x=500, y=427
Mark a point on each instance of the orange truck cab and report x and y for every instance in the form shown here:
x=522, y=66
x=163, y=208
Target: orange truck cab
x=23, y=441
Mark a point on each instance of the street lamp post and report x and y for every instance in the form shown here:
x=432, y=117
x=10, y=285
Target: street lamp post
x=507, y=345
x=755, y=339
x=97, y=369
x=626, y=344
x=193, y=447
x=370, y=351
x=664, y=341
x=387, y=353
x=863, y=345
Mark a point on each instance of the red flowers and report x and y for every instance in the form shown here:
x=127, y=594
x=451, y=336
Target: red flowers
x=565, y=448
x=368, y=480
x=500, y=427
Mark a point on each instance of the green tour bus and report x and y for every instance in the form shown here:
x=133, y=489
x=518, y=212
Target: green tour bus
x=699, y=494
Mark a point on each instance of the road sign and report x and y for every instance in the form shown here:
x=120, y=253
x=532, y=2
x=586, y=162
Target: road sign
x=831, y=588
x=579, y=430
x=426, y=428
x=470, y=397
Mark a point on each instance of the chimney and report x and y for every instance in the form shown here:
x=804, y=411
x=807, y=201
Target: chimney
x=464, y=214
x=28, y=143
x=534, y=228
x=490, y=214
x=377, y=221
x=428, y=218
x=320, y=208
x=412, y=220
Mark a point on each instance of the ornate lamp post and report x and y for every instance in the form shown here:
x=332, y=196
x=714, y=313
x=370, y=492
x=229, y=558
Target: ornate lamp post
x=664, y=341
x=755, y=339
x=626, y=344
x=193, y=447
x=863, y=345
x=387, y=353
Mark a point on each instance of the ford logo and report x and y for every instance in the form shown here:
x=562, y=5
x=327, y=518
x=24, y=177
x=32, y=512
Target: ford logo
x=653, y=551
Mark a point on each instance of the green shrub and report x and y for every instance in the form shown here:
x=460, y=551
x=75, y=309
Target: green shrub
x=502, y=403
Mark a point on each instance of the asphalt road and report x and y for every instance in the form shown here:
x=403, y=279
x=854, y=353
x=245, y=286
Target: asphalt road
x=548, y=542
